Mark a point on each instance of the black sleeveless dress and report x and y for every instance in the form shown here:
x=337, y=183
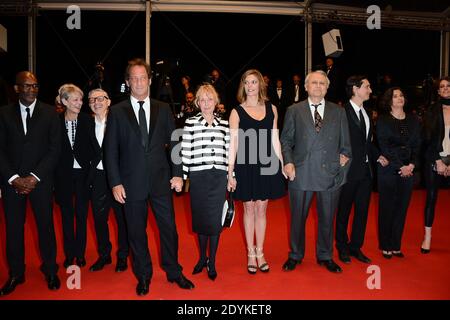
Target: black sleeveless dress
x=257, y=168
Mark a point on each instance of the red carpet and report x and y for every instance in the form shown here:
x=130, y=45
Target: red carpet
x=417, y=276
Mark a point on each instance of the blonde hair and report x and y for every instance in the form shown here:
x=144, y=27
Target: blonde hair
x=66, y=90
x=262, y=93
x=207, y=89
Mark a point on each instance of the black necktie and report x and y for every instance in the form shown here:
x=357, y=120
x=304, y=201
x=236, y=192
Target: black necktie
x=143, y=124
x=362, y=123
x=317, y=118
x=27, y=121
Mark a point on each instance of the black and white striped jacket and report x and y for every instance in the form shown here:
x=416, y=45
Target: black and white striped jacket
x=204, y=147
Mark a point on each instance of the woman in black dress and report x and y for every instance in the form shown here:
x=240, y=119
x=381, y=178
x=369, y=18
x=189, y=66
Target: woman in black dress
x=204, y=151
x=255, y=164
x=398, y=136
x=437, y=155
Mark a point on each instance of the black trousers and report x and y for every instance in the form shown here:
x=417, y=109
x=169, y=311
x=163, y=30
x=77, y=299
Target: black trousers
x=102, y=200
x=357, y=193
x=41, y=200
x=136, y=214
x=432, y=183
x=75, y=234
x=300, y=202
x=394, y=197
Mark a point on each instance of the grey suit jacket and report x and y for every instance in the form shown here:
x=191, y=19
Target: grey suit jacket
x=316, y=155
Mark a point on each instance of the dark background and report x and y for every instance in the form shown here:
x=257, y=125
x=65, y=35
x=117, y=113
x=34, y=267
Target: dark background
x=195, y=43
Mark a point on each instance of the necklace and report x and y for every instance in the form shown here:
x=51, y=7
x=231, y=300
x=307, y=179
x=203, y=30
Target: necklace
x=73, y=127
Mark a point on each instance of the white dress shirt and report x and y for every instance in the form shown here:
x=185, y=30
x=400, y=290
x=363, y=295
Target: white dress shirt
x=100, y=134
x=146, y=106
x=365, y=115
x=320, y=109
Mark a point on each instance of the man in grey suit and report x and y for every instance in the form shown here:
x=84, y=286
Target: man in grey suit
x=316, y=152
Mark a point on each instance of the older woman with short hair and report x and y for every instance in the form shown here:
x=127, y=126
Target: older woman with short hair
x=71, y=173
x=204, y=154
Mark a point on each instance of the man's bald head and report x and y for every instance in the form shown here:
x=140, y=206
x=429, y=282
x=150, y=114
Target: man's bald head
x=26, y=87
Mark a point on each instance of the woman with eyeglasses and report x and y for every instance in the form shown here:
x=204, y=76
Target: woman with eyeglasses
x=398, y=134
x=204, y=150
x=71, y=191
x=437, y=154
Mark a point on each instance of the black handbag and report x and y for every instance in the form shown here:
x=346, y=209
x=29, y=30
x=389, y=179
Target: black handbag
x=228, y=211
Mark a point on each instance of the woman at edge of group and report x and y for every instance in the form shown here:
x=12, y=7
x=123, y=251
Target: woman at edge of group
x=437, y=154
x=398, y=134
x=204, y=150
x=252, y=186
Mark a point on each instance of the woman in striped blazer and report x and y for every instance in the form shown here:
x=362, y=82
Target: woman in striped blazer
x=204, y=150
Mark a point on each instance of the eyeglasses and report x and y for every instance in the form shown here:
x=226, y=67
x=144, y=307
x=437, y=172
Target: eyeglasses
x=99, y=99
x=28, y=86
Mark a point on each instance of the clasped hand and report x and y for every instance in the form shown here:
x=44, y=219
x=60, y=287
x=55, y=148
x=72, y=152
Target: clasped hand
x=24, y=185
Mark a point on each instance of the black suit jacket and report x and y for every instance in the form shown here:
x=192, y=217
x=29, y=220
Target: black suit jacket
x=82, y=151
x=141, y=171
x=434, y=132
x=398, y=150
x=361, y=147
x=36, y=152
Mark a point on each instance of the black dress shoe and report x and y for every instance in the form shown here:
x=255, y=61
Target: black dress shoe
x=330, y=265
x=360, y=256
x=100, y=263
x=143, y=287
x=121, y=265
x=290, y=264
x=11, y=284
x=81, y=262
x=183, y=282
x=53, y=282
x=68, y=262
x=424, y=251
x=212, y=273
x=398, y=254
x=387, y=254
x=199, y=266
x=344, y=256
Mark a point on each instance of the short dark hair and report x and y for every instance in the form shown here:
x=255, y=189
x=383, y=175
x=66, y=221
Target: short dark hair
x=357, y=81
x=137, y=62
x=386, y=99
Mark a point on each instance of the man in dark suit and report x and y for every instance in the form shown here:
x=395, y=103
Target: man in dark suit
x=358, y=188
x=294, y=92
x=29, y=148
x=316, y=150
x=138, y=131
x=333, y=74
x=100, y=193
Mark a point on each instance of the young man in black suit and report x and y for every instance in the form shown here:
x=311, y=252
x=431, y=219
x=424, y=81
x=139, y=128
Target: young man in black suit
x=138, y=133
x=29, y=149
x=358, y=188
